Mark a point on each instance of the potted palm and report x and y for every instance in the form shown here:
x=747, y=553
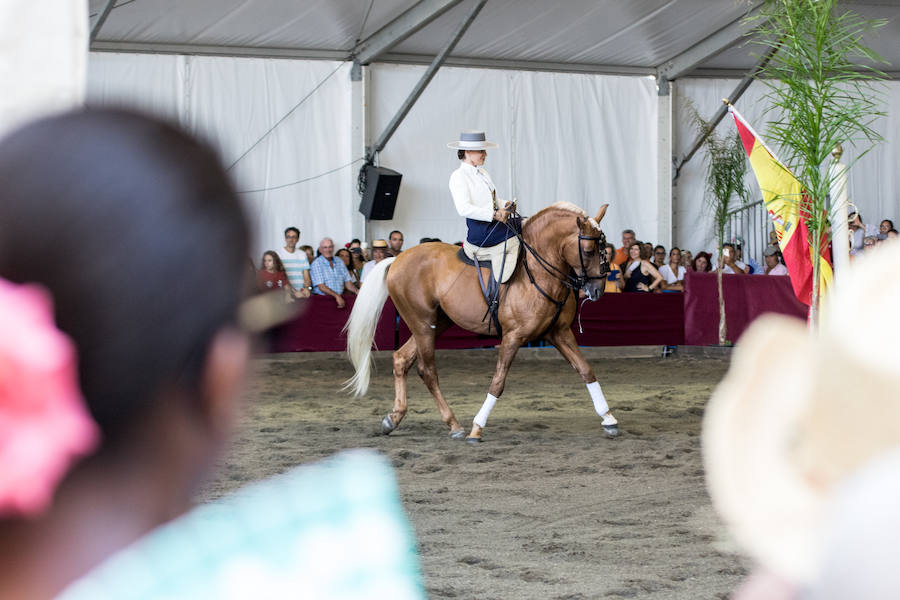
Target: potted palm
x=824, y=90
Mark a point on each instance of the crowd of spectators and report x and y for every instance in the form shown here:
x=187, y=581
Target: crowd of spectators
x=636, y=266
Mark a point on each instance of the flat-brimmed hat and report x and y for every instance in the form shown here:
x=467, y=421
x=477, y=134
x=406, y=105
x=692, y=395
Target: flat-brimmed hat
x=379, y=244
x=799, y=413
x=472, y=139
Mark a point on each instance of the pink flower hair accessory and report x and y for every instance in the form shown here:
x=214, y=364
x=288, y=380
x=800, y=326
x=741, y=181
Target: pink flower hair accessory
x=44, y=423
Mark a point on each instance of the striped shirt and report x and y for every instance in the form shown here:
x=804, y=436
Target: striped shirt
x=294, y=265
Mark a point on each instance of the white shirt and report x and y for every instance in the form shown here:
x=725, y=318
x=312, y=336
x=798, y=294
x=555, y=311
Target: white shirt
x=726, y=270
x=473, y=192
x=669, y=276
x=367, y=268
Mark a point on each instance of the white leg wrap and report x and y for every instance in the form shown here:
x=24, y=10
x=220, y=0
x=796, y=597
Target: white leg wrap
x=486, y=408
x=600, y=404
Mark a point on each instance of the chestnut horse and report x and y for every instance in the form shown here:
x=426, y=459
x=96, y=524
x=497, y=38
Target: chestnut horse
x=563, y=250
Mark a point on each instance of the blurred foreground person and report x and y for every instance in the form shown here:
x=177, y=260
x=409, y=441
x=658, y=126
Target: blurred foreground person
x=802, y=461
x=121, y=363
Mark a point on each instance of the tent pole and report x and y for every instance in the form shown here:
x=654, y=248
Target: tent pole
x=423, y=82
x=723, y=108
x=102, y=18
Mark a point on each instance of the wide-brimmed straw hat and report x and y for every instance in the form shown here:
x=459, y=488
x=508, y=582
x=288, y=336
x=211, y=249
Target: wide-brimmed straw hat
x=472, y=139
x=798, y=413
x=379, y=244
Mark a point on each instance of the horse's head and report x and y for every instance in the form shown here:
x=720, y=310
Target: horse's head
x=591, y=265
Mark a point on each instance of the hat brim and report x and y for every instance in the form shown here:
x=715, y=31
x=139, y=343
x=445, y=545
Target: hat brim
x=472, y=145
x=748, y=431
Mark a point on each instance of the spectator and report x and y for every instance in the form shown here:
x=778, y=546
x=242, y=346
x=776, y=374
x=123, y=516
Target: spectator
x=752, y=265
x=379, y=253
x=892, y=234
x=687, y=260
x=614, y=281
x=858, y=233
x=329, y=275
x=648, y=247
x=673, y=272
x=310, y=253
x=640, y=274
x=396, y=241
x=659, y=256
x=869, y=242
x=728, y=262
x=358, y=262
x=296, y=262
x=702, y=262
x=347, y=258
x=354, y=243
x=773, y=262
x=883, y=228
x=273, y=277
x=628, y=238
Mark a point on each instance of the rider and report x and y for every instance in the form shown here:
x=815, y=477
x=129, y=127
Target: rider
x=475, y=197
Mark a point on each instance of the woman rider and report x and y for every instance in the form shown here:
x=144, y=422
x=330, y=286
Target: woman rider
x=475, y=197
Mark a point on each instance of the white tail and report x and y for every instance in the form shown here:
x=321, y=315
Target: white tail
x=360, y=326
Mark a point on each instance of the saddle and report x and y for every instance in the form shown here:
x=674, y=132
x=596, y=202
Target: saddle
x=490, y=291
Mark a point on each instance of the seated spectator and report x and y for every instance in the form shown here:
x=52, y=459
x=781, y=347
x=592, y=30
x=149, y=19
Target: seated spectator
x=628, y=237
x=728, y=262
x=702, y=262
x=673, y=272
x=358, y=261
x=273, y=277
x=296, y=262
x=858, y=233
x=347, y=259
x=886, y=226
x=773, y=261
x=640, y=274
x=869, y=242
x=659, y=256
x=614, y=281
x=310, y=254
x=752, y=265
x=329, y=274
x=379, y=253
x=687, y=260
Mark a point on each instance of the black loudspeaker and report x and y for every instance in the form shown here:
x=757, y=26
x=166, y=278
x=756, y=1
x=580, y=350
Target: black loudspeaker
x=380, y=195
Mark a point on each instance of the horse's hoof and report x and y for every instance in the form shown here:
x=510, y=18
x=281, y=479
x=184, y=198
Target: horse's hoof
x=611, y=430
x=474, y=440
x=459, y=434
x=387, y=425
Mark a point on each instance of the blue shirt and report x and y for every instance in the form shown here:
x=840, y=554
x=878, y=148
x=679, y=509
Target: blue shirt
x=333, y=275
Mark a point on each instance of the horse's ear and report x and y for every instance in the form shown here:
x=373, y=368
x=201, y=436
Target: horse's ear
x=601, y=213
x=580, y=222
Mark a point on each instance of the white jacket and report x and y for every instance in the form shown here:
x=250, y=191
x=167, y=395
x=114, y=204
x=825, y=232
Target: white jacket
x=473, y=192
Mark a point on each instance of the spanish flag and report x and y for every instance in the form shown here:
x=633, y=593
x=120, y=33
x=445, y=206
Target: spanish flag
x=787, y=204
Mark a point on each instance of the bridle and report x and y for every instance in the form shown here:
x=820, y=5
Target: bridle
x=570, y=281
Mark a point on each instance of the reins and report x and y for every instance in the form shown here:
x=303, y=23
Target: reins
x=570, y=281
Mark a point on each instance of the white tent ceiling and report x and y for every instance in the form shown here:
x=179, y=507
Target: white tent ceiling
x=601, y=36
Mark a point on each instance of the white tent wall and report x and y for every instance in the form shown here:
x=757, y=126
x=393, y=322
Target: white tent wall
x=233, y=102
x=873, y=182
x=586, y=139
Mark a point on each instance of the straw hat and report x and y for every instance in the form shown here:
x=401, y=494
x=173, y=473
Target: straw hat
x=379, y=244
x=472, y=139
x=797, y=414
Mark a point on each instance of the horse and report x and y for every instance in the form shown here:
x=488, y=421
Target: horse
x=563, y=250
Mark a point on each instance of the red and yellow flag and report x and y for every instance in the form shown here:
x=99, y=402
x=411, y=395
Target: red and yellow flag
x=785, y=203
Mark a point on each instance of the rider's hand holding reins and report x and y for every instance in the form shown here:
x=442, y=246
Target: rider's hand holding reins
x=502, y=214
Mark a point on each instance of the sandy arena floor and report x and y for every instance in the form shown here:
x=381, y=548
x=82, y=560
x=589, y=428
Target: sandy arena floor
x=547, y=507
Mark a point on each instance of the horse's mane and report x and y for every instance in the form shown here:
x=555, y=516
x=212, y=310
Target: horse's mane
x=540, y=216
